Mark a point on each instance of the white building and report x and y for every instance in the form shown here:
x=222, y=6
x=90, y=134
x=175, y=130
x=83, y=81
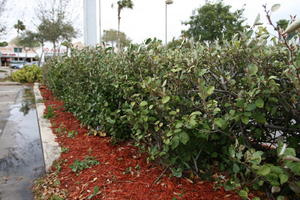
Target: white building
x=12, y=53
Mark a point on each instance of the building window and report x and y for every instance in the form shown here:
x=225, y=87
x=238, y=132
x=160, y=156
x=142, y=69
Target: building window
x=18, y=50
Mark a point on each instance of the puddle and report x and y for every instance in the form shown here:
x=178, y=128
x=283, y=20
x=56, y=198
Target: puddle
x=21, y=157
x=28, y=101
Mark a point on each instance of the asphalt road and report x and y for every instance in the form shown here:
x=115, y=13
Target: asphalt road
x=21, y=157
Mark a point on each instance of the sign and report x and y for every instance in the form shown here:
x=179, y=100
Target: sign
x=8, y=54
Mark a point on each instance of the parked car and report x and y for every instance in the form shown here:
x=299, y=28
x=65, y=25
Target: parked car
x=32, y=63
x=17, y=64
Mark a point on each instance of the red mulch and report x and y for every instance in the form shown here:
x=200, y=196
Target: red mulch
x=112, y=176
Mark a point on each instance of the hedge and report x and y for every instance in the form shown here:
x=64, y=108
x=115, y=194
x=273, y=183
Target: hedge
x=194, y=106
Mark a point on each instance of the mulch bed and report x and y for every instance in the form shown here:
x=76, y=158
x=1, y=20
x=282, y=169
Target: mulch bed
x=123, y=172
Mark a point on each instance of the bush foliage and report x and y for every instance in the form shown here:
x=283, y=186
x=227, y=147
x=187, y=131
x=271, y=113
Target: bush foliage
x=28, y=74
x=195, y=106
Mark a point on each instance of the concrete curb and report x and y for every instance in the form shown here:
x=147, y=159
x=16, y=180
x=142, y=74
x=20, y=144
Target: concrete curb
x=51, y=148
x=10, y=83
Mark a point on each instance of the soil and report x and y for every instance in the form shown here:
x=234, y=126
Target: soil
x=123, y=172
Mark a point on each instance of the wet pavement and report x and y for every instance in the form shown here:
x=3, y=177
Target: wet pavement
x=21, y=157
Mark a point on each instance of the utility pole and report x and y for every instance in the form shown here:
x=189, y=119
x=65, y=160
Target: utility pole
x=100, y=23
x=167, y=2
x=90, y=22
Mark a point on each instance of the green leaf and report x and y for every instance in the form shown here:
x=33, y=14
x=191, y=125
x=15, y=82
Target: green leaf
x=173, y=113
x=256, y=21
x=210, y=90
x=231, y=151
x=255, y=158
x=196, y=113
x=275, y=7
x=294, y=167
x=96, y=191
x=252, y=69
x=143, y=103
x=250, y=107
x=245, y=119
x=166, y=99
x=148, y=41
x=260, y=118
x=260, y=103
x=235, y=168
x=289, y=152
x=177, y=172
x=240, y=102
x=243, y=194
x=184, y=137
x=231, y=185
x=221, y=123
x=280, y=198
x=283, y=178
x=175, y=141
x=264, y=170
x=179, y=124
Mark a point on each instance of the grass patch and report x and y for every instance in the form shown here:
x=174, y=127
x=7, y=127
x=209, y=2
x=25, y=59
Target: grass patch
x=86, y=163
x=49, y=113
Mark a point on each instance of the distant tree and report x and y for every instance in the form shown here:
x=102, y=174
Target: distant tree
x=2, y=8
x=121, y=5
x=282, y=24
x=54, y=26
x=19, y=26
x=214, y=21
x=3, y=44
x=112, y=36
x=28, y=40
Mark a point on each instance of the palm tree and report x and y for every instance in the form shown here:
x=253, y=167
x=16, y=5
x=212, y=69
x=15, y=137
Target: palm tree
x=121, y=5
x=19, y=26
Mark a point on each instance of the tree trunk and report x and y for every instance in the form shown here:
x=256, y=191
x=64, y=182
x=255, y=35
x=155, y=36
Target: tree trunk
x=54, y=49
x=119, y=22
x=40, y=60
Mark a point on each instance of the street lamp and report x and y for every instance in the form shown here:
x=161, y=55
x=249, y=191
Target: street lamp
x=168, y=2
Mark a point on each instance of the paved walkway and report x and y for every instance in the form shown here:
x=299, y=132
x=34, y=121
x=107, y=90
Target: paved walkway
x=21, y=157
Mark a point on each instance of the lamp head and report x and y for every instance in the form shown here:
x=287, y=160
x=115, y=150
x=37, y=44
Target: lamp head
x=169, y=2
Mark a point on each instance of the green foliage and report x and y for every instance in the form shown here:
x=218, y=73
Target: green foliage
x=28, y=74
x=55, y=197
x=214, y=21
x=111, y=36
x=86, y=163
x=192, y=106
x=64, y=150
x=282, y=24
x=72, y=134
x=50, y=114
x=19, y=26
x=54, y=26
x=3, y=44
x=28, y=39
x=282, y=176
x=121, y=5
x=96, y=191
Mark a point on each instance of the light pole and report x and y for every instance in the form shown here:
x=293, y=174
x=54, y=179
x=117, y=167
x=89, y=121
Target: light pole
x=100, y=24
x=168, y=2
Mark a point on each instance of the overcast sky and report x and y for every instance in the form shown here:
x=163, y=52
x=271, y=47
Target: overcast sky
x=147, y=18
